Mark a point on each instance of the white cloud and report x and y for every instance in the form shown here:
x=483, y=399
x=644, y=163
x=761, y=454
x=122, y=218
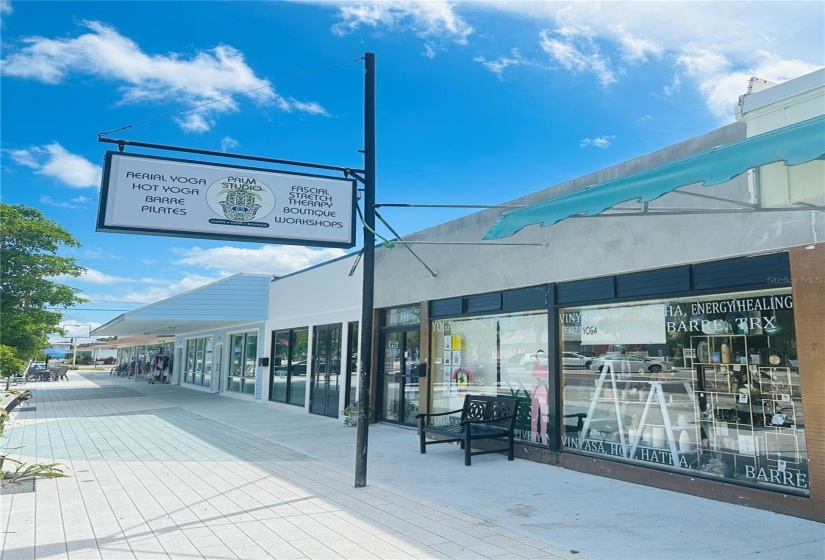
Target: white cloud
x=577, y=52
x=228, y=143
x=92, y=276
x=5, y=7
x=712, y=46
x=154, y=293
x=24, y=158
x=54, y=161
x=99, y=254
x=269, y=259
x=49, y=201
x=500, y=64
x=307, y=107
x=598, y=142
x=436, y=20
x=721, y=84
x=208, y=76
x=636, y=49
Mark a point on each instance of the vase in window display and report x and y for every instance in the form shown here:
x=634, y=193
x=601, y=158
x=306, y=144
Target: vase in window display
x=725, y=353
x=657, y=434
x=685, y=443
x=646, y=436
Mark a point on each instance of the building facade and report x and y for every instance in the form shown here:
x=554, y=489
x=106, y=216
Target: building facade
x=672, y=342
x=663, y=342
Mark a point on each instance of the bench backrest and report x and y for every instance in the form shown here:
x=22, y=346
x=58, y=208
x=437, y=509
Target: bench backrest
x=488, y=407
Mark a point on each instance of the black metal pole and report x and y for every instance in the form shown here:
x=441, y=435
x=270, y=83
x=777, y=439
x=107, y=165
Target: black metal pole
x=369, y=273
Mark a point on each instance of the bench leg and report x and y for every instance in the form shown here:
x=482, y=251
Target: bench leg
x=511, y=451
x=467, y=447
x=422, y=446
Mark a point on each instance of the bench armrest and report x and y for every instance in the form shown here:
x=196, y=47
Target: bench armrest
x=427, y=415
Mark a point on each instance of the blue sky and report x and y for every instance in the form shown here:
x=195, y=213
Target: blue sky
x=477, y=103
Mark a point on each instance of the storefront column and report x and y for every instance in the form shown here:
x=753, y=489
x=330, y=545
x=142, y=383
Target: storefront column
x=808, y=283
x=425, y=385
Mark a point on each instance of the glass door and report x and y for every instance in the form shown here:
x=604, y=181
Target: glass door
x=326, y=370
x=288, y=366
x=399, y=384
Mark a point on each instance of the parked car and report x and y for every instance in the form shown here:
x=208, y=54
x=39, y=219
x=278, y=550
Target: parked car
x=574, y=359
x=569, y=359
x=632, y=362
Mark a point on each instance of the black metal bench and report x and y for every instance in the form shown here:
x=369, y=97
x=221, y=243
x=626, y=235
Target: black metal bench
x=482, y=417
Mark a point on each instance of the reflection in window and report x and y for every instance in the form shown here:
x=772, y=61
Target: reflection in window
x=494, y=355
x=289, y=366
x=198, y=370
x=242, y=363
x=707, y=385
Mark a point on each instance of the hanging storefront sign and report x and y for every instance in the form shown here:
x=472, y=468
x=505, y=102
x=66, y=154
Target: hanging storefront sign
x=162, y=196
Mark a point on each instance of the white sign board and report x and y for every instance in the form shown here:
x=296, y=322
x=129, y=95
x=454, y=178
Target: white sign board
x=632, y=324
x=162, y=196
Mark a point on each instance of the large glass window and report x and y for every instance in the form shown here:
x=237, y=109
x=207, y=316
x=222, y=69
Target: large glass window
x=242, y=363
x=198, y=370
x=707, y=385
x=494, y=355
x=289, y=366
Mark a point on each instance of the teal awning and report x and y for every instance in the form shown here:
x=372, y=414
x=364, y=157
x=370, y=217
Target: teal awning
x=793, y=145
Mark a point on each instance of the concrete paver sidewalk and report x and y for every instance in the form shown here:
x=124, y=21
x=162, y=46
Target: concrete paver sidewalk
x=159, y=471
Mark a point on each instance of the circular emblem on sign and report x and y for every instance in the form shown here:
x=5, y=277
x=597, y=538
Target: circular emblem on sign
x=240, y=199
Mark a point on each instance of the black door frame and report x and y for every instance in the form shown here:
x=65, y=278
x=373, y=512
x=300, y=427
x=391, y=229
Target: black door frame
x=382, y=376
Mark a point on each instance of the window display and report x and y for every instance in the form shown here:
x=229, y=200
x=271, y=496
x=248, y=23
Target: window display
x=707, y=384
x=494, y=355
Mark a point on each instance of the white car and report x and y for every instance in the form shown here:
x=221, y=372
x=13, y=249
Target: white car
x=574, y=359
x=632, y=362
x=569, y=359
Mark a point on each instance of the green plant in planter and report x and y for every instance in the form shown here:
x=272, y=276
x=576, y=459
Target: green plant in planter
x=350, y=414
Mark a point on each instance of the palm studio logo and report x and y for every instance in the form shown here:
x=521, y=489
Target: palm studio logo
x=239, y=201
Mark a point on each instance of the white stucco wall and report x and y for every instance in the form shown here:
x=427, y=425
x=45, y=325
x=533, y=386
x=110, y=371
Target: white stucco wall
x=579, y=248
x=323, y=295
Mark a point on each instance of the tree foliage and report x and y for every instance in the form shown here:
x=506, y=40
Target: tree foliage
x=10, y=364
x=28, y=260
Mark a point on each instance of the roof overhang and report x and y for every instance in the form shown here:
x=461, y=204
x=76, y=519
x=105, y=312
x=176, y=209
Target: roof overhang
x=792, y=145
x=241, y=299
x=124, y=325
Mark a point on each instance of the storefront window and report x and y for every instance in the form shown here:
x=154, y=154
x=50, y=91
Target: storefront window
x=242, y=363
x=494, y=355
x=707, y=385
x=198, y=369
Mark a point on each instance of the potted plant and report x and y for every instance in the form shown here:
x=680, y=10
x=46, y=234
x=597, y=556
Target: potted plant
x=350, y=414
